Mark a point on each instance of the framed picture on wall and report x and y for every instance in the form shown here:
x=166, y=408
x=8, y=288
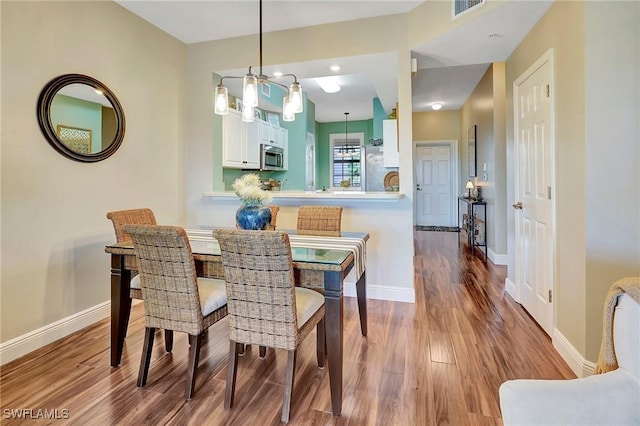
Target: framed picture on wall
x=473, y=157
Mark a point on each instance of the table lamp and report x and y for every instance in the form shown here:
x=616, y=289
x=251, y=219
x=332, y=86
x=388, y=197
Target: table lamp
x=469, y=187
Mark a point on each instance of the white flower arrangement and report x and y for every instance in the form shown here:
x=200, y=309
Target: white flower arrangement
x=247, y=188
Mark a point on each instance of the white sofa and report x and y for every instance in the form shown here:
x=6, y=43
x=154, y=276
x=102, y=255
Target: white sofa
x=608, y=399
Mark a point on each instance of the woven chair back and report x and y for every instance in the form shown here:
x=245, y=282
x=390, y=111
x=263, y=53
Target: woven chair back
x=258, y=272
x=168, y=278
x=319, y=220
x=130, y=217
x=274, y=217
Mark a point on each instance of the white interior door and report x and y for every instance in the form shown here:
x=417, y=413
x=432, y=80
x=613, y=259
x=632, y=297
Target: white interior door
x=434, y=195
x=533, y=171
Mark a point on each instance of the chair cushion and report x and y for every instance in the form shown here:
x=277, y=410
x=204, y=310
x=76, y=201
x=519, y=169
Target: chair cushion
x=213, y=294
x=307, y=303
x=135, y=282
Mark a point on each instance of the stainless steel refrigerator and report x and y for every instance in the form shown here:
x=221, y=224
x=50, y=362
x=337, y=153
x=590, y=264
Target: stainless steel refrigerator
x=374, y=169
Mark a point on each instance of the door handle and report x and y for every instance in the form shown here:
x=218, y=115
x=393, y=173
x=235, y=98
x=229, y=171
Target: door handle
x=418, y=188
x=517, y=206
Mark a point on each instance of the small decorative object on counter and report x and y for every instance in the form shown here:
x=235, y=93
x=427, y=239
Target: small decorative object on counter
x=252, y=214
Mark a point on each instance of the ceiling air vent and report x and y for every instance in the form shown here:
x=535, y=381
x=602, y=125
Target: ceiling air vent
x=460, y=7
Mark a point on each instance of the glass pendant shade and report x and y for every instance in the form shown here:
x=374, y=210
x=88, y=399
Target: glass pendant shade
x=247, y=113
x=287, y=111
x=295, y=97
x=292, y=104
x=221, y=100
x=250, y=90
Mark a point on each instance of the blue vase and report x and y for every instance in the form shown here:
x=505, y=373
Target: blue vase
x=253, y=217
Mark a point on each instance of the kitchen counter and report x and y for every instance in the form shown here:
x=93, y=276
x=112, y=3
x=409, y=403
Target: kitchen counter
x=318, y=195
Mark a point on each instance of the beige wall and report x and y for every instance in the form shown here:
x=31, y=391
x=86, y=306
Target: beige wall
x=480, y=109
x=53, y=209
x=596, y=151
x=436, y=126
x=612, y=150
x=562, y=29
x=498, y=168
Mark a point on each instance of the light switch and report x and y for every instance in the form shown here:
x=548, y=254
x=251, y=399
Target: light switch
x=484, y=167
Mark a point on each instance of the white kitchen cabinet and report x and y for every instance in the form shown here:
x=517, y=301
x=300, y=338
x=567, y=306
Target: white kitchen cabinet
x=277, y=136
x=390, y=143
x=272, y=135
x=240, y=142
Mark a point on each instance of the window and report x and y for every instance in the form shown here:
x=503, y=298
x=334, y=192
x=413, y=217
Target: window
x=346, y=161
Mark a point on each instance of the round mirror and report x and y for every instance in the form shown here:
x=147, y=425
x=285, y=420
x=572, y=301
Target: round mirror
x=81, y=118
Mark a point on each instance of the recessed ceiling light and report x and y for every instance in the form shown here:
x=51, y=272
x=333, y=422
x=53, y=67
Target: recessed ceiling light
x=328, y=84
x=334, y=68
x=436, y=106
x=277, y=74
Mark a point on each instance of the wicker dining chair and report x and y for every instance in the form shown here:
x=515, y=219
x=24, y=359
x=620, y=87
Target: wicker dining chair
x=131, y=217
x=274, y=216
x=142, y=216
x=265, y=306
x=319, y=220
x=174, y=297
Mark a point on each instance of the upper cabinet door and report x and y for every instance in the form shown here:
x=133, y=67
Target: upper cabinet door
x=252, y=145
x=240, y=142
x=232, y=155
x=390, y=143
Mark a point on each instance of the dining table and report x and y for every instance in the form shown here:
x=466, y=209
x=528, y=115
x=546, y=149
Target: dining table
x=319, y=262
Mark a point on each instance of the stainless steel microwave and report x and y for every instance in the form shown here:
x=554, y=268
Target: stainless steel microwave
x=271, y=157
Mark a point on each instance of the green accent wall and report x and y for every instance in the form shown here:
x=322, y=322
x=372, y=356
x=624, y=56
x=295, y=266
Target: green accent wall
x=378, y=116
x=73, y=112
x=323, y=145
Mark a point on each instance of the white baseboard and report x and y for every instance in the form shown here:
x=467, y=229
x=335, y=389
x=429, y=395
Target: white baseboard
x=580, y=366
x=497, y=259
x=381, y=292
x=510, y=288
x=22, y=345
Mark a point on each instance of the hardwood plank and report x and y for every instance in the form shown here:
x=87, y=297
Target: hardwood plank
x=438, y=361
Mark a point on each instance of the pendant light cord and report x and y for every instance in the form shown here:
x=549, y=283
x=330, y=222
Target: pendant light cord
x=261, y=38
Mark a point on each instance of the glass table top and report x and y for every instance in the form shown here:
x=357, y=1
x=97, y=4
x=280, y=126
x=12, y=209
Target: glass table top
x=207, y=245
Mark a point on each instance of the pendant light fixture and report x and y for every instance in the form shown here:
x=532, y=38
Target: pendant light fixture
x=292, y=102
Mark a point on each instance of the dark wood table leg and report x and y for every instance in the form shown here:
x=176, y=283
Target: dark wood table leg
x=334, y=317
x=120, y=306
x=361, y=291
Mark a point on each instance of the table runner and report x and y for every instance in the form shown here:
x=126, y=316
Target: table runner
x=355, y=245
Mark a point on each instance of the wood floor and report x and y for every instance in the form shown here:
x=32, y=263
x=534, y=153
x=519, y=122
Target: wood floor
x=436, y=362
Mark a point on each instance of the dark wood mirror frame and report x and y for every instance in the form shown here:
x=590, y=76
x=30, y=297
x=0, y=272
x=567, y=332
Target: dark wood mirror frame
x=44, y=117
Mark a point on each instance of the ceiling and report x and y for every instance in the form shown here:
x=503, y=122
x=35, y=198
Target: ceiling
x=449, y=66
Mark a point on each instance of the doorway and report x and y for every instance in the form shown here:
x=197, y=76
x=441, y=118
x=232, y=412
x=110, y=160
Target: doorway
x=534, y=177
x=436, y=171
x=310, y=156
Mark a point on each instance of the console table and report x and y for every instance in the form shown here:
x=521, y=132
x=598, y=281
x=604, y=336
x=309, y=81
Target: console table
x=472, y=207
